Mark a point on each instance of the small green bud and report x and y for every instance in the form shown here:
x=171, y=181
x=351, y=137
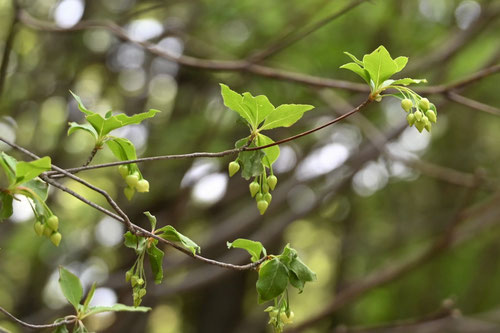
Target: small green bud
x=424, y=104
x=140, y=281
x=262, y=206
x=123, y=170
x=39, y=227
x=268, y=197
x=254, y=188
x=128, y=276
x=56, y=238
x=420, y=125
x=259, y=197
x=142, y=292
x=132, y=180
x=418, y=115
x=285, y=319
x=406, y=104
x=410, y=118
x=129, y=192
x=428, y=126
x=47, y=232
x=53, y=222
x=133, y=280
x=142, y=186
x=233, y=168
x=272, y=181
x=378, y=98
x=431, y=115
x=265, y=188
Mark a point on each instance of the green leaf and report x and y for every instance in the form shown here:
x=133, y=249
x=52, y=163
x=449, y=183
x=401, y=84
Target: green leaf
x=80, y=104
x=156, y=261
x=288, y=255
x=134, y=242
x=116, y=308
x=408, y=81
x=122, y=148
x=285, y=115
x=169, y=232
x=259, y=106
x=353, y=57
x=380, y=65
x=401, y=62
x=26, y=171
x=85, y=127
x=40, y=188
x=353, y=67
x=122, y=119
x=6, y=208
x=271, y=153
x=303, y=272
x=60, y=329
x=273, y=279
x=89, y=297
x=152, y=220
x=70, y=287
x=296, y=282
x=234, y=101
x=251, y=163
x=253, y=247
x=8, y=165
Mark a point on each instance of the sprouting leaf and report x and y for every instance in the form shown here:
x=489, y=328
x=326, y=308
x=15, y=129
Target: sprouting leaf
x=26, y=171
x=401, y=63
x=122, y=119
x=40, y=188
x=122, y=148
x=152, y=220
x=253, y=247
x=89, y=297
x=251, y=162
x=273, y=279
x=6, y=206
x=288, y=255
x=408, y=81
x=296, y=282
x=259, y=106
x=85, y=127
x=380, y=65
x=80, y=104
x=271, y=153
x=303, y=272
x=169, y=232
x=156, y=261
x=353, y=67
x=134, y=242
x=234, y=101
x=353, y=57
x=116, y=308
x=285, y=115
x=70, y=287
x=8, y=164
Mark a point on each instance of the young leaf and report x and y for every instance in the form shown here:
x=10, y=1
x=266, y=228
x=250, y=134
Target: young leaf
x=253, y=247
x=271, y=153
x=259, y=106
x=234, y=101
x=303, y=272
x=273, y=279
x=8, y=165
x=6, y=206
x=401, y=63
x=288, y=255
x=40, y=188
x=296, y=282
x=116, y=308
x=358, y=70
x=85, y=127
x=89, y=297
x=353, y=57
x=122, y=148
x=380, y=65
x=26, y=171
x=285, y=115
x=169, y=232
x=122, y=119
x=156, y=261
x=70, y=286
x=134, y=242
x=152, y=220
x=251, y=162
x=80, y=104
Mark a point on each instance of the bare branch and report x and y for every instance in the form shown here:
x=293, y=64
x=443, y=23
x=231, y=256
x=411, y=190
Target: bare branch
x=68, y=320
x=473, y=104
x=8, y=46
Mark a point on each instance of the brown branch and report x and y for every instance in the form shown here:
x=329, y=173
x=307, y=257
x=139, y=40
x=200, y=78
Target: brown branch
x=67, y=320
x=91, y=156
x=473, y=104
x=292, y=38
x=8, y=46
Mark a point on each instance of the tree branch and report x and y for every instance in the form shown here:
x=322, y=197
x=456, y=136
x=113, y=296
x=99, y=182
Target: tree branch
x=8, y=46
x=68, y=320
x=453, y=96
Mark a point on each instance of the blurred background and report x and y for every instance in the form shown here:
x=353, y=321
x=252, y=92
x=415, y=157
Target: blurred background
x=401, y=227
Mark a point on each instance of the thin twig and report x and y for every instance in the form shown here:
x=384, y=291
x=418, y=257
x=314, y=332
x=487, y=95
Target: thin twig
x=8, y=46
x=91, y=156
x=67, y=321
x=473, y=104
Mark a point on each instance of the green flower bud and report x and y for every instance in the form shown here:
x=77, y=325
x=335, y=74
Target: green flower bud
x=268, y=197
x=418, y=115
x=39, y=227
x=420, y=125
x=285, y=319
x=140, y=281
x=262, y=206
x=129, y=192
x=424, y=104
x=410, y=118
x=128, y=276
x=133, y=280
x=233, y=168
x=378, y=98
x=123, y=170
x=53, y=222
x=142, y=186
x=428, y=127
x=259, y=197
x=47, y=232
x=56, y=238
x=406, y=104
x=132, y=180
x=254, y=188
x=142, y=292
x=431, y=115
x=265, y=188
x=272, y=181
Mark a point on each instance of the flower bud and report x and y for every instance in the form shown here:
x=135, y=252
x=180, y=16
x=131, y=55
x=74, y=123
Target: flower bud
x=420, y=125
x=431, y=115
x=132, y=180
x=140, y=281
x=268, y=197
x=262, y=206
x=142, y=292
x=128, y=276
x=259, y=197
x=265, y=188
x=53, y=222
x=254, y=188
x=285, y=319
x=133, y=280
x=410, y=118
x=272, y=181
x=129, y=192
x=39, y=227
x=233, y=168
x=406, y=104
x=142, y=186
x=56, y=238
x=418, y=115
x=47, y=232
x=123, y=170
x=424, y=104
